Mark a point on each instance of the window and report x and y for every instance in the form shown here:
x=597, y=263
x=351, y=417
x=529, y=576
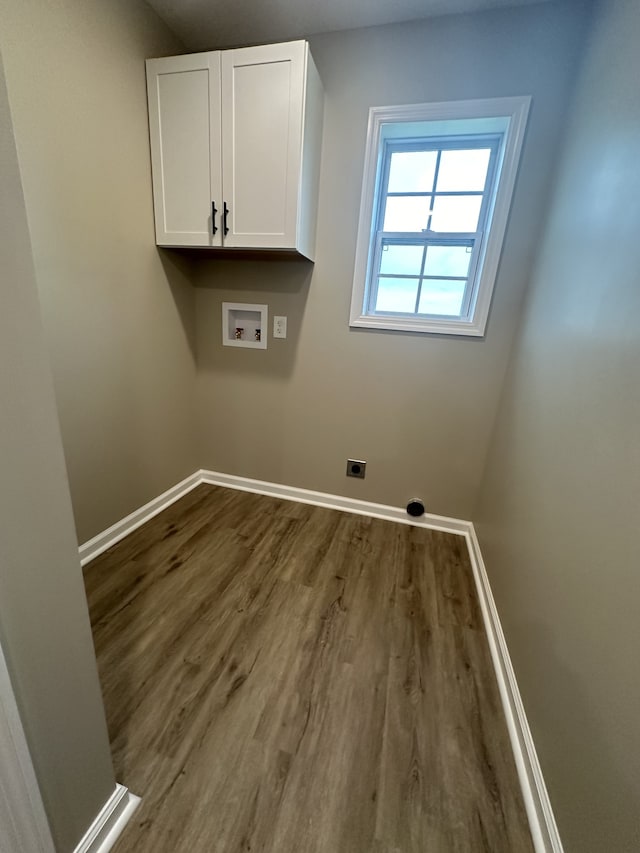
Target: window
x=437, y=188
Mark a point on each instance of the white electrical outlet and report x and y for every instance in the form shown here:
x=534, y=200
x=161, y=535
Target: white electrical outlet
x=279, y=327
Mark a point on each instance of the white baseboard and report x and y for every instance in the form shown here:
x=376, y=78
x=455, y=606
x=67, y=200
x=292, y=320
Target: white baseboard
x=112, y=819
x=103, y=541
x=544, y=831
x=306, y=496
x=112, y=535
x=536, y=798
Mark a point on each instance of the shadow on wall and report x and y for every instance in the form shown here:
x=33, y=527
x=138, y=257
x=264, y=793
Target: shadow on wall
x=281, y=284
x=179, y=270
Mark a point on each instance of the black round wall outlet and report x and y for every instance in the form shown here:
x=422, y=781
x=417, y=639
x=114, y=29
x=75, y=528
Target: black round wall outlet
x=415, y=507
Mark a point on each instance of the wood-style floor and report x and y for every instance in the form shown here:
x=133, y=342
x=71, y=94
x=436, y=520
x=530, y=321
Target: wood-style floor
x=284, y=678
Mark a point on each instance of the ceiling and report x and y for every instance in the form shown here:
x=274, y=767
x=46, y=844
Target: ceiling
x=208, y=24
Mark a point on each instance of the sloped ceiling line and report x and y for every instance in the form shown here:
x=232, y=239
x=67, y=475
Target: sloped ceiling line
x=210, y=24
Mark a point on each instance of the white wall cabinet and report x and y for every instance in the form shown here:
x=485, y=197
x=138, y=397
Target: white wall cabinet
x=235, y=148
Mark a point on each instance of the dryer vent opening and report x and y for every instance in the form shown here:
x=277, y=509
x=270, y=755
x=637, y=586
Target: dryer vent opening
x=415, y=507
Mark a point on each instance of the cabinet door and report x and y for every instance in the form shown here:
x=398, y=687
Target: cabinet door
x=184, y=102
x=262, y=112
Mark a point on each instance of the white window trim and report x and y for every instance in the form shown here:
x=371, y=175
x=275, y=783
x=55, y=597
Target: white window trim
x=516, y=110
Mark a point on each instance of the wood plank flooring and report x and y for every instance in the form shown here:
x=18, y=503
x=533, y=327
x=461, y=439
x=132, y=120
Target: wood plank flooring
x=283, y=678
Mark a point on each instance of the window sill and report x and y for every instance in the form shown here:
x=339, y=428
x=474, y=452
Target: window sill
x=425, y=327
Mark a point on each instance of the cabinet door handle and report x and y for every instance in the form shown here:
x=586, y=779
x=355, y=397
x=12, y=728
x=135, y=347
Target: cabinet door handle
x=214, y=210
x=225, y=214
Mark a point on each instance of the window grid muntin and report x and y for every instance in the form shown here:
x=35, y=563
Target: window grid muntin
x=428, y=237
x=439, y=144
x=413, y=239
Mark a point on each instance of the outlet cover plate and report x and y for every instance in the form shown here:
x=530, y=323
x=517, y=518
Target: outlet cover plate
x=279, y=327
x=356, y=468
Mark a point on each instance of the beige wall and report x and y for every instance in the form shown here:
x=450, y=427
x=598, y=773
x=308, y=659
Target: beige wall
x=118, y=315
x=419, y=409
x=559, y=509
x=44, y=626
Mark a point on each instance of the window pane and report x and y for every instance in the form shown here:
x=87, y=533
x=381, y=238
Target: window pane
x=448, y=260
x=412, y=171
x=456, y=213
x=463, y=170
x=397, y=294
x=406, y=213
x=441, y=297
x=402, y=260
